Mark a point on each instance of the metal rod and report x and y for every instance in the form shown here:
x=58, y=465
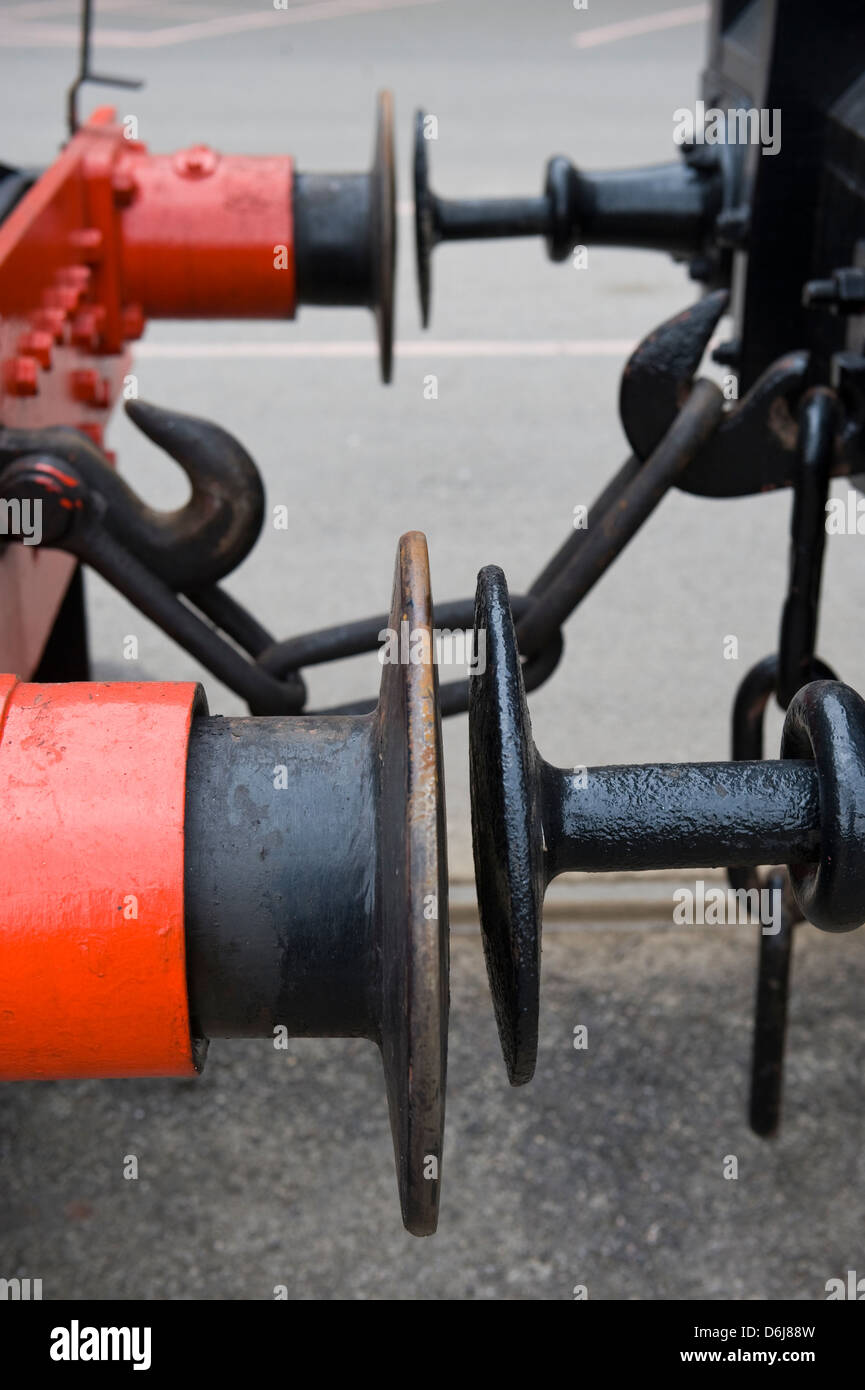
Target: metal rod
x=666, y=207
x=770, y=1023
x=479, y=219
x=226, y=613
x=125, y=572
x=798, y=640
x=690, y=430
x=679, y=816
x=610, y=497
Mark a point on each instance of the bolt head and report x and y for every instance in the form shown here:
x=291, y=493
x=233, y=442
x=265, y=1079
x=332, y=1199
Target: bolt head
x=123, y=186
x=86, y=327
x=132, y=321
x=731, y=227
x=89, y=387
x=49, y=321
x=62, y=297
x=851, y=287
x=198, y=162
x=21, y=376
x=842, y=293
x=39, y=345
x=728, y=354
x=87, y=241
x=76, y=277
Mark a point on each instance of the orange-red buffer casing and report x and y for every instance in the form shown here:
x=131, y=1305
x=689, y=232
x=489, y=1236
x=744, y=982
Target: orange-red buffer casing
x=92, y=947
x=206, y=235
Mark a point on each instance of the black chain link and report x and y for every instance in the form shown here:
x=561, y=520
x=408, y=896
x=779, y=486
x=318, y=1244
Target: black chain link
x=90, y=513
x=781, y=676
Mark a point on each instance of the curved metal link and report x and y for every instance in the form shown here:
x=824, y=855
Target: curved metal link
x=191, y=547
x=826, y=722
x=152, y=557
x=614, y=518
x=775, y=951
x=358, y=638
x=818, y=420
x=639, y=490
x=782, y=676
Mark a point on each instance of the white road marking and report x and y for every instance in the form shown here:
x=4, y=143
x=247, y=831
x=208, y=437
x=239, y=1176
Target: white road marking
x=42, y=35
x=42, y=9
x=632, y=28
x=420, y=348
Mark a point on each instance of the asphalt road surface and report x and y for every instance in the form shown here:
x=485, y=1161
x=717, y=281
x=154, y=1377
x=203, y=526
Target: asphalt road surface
x=276, y=1168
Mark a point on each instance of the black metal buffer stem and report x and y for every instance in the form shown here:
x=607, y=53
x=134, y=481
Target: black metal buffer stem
x=316, y=886
x=670, y=207
x=532, y=821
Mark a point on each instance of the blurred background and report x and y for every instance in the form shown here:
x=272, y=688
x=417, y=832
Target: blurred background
x=607, y=1171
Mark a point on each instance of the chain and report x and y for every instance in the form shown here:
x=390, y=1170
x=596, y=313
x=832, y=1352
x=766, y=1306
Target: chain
x=614, y=518
x=781, y=676
x=162, y=562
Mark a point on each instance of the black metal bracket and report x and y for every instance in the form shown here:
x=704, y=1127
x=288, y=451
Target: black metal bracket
x=755, y=447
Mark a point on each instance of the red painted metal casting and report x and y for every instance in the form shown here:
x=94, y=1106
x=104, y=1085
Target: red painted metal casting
x=108, y=237
x=92, y=953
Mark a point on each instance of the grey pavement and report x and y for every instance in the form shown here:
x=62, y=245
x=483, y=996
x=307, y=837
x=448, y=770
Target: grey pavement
x=607, y=1170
